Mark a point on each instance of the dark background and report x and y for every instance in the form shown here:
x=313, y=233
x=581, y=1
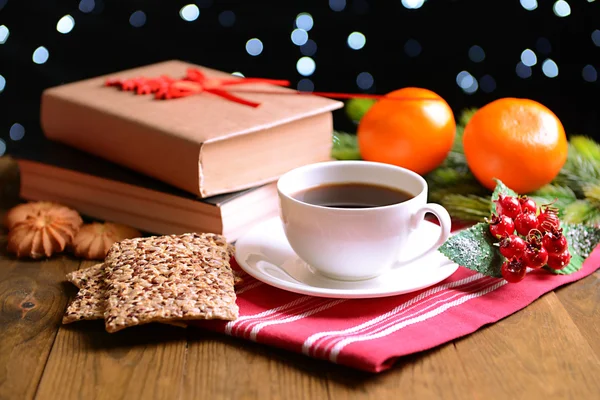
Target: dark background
x=103, y=41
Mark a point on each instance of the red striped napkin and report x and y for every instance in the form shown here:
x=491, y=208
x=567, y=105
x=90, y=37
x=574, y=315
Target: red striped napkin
x=370, y=334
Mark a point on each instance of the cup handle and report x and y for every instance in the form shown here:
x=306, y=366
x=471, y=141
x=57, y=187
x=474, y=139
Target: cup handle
x=416, y=219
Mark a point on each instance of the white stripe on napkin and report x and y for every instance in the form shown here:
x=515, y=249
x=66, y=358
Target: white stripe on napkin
x=231, y=324
x=310, y=341
x=412, y=312
x=261, y=325
x=311, y=304
x=396, y=327
x=248, y=287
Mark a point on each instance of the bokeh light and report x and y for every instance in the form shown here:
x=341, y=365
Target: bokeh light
x=2, y=83
x=2, y=147
x=476, y=54
x=237, y=73
x=309, y=48
x=529, y=5
x=365, y=80
x=596, y=37
x=4, y=34
x=189, y=12
x=412, y=48
x=522, y=70
x=356, y=40
x=305, y=85
x=306, y=66
x=137, y=19
x=337, y=5
x=254, y=47
x=304, y=21
x=40, y=55
x=589, y=73
x=65, y=24
x=227, y=18
x=528, y=57
x=413, y=4
x=299, y=36
x=17, y=132
x=487, y=84
x=87, y=6
x=467, y=82
x=561, y=8
x=549, y=68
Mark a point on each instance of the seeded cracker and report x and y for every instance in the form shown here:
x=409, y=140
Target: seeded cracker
x=167, y=279
x=89, y=303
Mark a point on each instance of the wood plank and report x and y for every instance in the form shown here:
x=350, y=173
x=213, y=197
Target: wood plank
x=434, y=374
x=33, y=300
x=535, y=353
x=582, y=302
x=86, y=362
x=230, y=368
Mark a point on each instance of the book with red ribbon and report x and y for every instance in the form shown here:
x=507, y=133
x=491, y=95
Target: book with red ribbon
x=183, y=124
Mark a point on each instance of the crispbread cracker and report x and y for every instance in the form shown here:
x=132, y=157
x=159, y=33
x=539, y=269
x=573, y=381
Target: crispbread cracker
x=89, y=303
x=168, y=279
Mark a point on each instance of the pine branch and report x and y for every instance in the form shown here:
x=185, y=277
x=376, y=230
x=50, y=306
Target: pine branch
x=582, y=166
x=591, y=192
x=345, y=146
x=560, y=196
x=445, y=181
x=357, y=108
x=463, y=120
x=467, y=207
x=581, y=212
x=466, y=115
x=586, y=147
x=447, y=176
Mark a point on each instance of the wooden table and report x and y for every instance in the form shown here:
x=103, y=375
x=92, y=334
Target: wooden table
x=549, y=350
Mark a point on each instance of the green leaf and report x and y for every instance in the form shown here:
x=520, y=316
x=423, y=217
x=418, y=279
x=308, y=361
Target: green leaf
x=501, y=188
x=574, y=266
x=345, y=146
x=582, y=239
x=473, y=248
x=357, y=108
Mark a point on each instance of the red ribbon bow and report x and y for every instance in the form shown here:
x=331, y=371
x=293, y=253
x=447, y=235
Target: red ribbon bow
x=194, y=82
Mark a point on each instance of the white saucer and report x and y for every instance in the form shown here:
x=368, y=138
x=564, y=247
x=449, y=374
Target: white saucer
x=265, y=254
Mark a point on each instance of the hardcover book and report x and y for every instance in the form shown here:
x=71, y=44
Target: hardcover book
x=102, y=190
x=204, y=144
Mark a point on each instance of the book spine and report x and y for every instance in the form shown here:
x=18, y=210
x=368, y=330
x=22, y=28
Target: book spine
x=132, y=144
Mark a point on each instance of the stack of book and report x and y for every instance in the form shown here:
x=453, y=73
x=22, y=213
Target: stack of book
x=201, y=163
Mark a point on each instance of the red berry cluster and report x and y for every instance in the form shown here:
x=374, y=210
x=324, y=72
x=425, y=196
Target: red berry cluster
x=528, y=237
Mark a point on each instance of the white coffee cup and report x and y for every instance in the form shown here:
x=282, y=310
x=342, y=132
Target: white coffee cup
x=356, y=243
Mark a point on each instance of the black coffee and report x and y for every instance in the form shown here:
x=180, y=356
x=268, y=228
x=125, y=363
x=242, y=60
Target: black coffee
x=352, y=195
